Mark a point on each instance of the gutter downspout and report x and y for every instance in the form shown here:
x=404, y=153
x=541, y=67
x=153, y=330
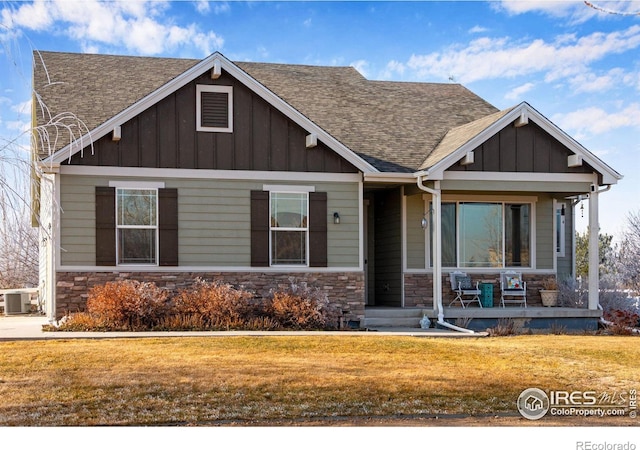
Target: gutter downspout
x=437, y=252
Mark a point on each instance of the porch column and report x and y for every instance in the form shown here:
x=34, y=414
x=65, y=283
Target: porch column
x=437, y=249
x=594, y=257
x=436, y=198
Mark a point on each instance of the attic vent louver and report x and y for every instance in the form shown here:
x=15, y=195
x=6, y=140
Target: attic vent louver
x=214, y=108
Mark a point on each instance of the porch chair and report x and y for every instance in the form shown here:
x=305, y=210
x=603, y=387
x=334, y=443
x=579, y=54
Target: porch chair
x=465, y=291
x=512, y=288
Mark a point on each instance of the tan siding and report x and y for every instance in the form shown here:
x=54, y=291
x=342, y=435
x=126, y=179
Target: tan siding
x=213, y=221
x=414, y=233
x=545, y=216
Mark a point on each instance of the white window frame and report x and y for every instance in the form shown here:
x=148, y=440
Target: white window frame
x=284, y=189
x=200, y=88
x=137, y=187
x=560, y=229
x=531, y=201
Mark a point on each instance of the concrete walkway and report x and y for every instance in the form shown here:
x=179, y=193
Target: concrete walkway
x=29, y=327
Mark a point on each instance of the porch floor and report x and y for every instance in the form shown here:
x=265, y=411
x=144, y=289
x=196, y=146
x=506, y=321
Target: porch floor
x=532, y=317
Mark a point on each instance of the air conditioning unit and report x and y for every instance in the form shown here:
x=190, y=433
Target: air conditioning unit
x=15, y=303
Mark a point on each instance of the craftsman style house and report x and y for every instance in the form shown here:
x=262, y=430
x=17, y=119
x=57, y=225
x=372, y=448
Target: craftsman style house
x=257, y=174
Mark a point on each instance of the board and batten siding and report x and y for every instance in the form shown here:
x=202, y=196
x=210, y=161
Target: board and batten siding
x=165, y=136
x=214, y=220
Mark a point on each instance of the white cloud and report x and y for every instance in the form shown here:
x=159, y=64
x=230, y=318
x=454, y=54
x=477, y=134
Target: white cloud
x=202, y=6
x=139, y=26
x=392, y=69
x=307, y=23
x=221, y=7
x=517, y=92
x=577, y=11
x=361, y=66
x=34, y=16
x=494, y=58
x=18, y=125
x=551, y=7
x=22, y=108
x=593, y=120
x=478, y=29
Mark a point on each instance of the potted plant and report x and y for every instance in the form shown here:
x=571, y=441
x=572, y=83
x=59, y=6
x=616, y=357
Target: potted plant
x=549, y=291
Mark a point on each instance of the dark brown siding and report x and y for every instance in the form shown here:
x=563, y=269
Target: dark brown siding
x=168, y=226
x=525, y=149
x=105, y=226
x=165, y=135
x=318, y=229
x=259, y=229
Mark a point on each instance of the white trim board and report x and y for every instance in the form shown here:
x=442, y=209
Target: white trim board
x=207, y=174
x=203, y=269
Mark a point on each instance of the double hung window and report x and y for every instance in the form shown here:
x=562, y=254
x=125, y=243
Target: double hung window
x=289, y=229
x=137, y=226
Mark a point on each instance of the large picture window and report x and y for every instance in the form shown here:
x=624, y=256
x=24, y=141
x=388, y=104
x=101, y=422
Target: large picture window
x=137, y=226
x=486, y=234
x=289, y=212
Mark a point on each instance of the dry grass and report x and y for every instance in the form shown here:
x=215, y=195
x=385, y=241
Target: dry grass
x=212, y=380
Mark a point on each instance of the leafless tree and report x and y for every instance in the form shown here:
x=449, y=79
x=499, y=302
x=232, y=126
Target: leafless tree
x=20, y=172
x=630, y=253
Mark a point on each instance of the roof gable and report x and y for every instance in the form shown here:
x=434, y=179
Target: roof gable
x=464, y=139
x=187, y=76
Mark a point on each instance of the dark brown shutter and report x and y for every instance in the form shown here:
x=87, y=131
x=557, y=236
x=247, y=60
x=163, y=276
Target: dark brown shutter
x=215, y=109
x=168, y=226
x=105, y=226
x=259, y=229
x=318, y=229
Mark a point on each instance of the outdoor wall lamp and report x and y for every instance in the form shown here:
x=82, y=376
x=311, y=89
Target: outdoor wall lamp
x=336, y=218
x=424, y=223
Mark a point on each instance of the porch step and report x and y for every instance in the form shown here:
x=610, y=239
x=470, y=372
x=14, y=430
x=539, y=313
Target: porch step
x=392, y=317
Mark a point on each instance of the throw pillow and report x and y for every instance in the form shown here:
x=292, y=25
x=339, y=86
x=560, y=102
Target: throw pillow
x=464, y=282
x=514, y=282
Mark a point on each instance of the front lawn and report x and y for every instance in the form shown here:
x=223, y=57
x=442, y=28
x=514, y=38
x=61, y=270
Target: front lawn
x=218, y=380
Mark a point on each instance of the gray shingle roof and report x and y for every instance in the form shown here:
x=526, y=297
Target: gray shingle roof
x=395, y=126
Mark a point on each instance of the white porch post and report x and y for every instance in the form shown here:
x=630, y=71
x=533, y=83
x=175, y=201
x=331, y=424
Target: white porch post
x=437, y=249
x=594, y=257
x=436, y=198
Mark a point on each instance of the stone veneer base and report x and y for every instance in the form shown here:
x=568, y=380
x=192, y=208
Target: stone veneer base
x=346, y=289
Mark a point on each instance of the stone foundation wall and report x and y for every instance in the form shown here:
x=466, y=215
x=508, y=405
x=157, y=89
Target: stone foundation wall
x=345, y=289
x=418, y=288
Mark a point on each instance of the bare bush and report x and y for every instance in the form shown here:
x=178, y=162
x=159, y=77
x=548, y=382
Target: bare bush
x=301, y=307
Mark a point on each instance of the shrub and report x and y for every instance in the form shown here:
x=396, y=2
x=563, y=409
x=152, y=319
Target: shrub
x=300, y=307
x=215, y=305
x=571, y=294
x=504, y=327
x=128, y=304
x=622, y=321
x=81, y=321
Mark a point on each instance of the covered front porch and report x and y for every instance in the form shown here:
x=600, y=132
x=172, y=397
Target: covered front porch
x=530, y=319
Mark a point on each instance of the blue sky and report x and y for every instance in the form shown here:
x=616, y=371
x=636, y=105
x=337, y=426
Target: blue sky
x=577, y=63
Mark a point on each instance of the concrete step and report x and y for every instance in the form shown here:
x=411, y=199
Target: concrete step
x=407, y=322
x=393, y=317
